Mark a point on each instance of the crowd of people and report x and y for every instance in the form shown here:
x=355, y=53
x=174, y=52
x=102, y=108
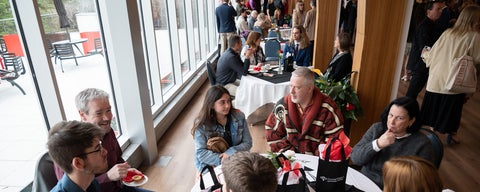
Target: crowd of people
x=392, y=152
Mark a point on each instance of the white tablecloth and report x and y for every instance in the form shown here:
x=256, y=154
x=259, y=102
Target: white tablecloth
x=354, y=177
x=254, y=92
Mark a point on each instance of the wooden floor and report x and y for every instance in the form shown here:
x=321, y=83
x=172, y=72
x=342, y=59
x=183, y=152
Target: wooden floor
x=174, y=170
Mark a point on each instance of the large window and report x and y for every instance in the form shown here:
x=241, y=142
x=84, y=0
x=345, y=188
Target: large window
x=175, y=37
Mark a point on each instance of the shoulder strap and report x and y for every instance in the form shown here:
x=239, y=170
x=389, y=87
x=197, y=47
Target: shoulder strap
x=212, y=174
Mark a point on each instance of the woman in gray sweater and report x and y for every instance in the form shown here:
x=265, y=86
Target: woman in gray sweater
x=396, y=135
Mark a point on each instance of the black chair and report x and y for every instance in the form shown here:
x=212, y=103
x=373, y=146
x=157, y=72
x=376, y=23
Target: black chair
x=98, y=47
x=436, y=144
x=211, y=73
x=15, y=63
x=272, y=46
x=44, y=178
x=64, y=51
x=11, y=76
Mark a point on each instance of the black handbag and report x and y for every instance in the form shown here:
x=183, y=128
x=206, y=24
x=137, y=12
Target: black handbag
x=216, y=185
x=331, y=176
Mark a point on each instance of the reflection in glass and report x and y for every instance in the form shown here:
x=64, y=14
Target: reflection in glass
x=182, y=37
x=162, y=38
x=196, y=32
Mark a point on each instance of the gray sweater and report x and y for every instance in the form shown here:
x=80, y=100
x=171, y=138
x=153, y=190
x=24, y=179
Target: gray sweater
x=363, y=153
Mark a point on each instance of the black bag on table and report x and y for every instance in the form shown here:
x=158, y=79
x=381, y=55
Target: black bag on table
x=301, y=186
x=216, y=185
x=331, y=176
x=288, y=64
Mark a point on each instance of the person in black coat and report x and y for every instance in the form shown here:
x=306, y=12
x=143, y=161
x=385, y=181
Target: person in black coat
x=426, y=34
x=341, y=63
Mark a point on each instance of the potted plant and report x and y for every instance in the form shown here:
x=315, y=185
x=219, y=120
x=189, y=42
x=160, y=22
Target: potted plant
x=344, y=96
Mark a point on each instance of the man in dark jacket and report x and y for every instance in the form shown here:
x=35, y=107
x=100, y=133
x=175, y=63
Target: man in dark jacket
x=230, y=66
x=426, y=34
x=225, y=15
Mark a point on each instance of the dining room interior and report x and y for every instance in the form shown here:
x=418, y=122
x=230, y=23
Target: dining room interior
x=156, y=76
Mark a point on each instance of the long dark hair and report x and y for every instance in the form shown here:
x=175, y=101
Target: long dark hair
x=207, y=113
x=410, y=105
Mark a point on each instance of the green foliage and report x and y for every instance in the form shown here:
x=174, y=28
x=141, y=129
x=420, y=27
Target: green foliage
x=343, y=94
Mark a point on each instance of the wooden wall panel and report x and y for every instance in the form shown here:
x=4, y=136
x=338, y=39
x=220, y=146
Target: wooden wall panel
x=325, y=33
x=379, y=30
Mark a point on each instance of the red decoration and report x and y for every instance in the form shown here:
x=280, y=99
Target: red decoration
x=350, y=107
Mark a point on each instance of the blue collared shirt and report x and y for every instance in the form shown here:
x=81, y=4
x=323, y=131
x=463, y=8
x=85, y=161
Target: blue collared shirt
x=67, y=185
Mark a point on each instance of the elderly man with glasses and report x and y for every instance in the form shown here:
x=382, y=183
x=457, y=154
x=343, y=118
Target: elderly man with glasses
x=77, y=148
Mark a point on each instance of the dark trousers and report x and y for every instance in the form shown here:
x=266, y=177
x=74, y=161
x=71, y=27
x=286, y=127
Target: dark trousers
x=416, y=84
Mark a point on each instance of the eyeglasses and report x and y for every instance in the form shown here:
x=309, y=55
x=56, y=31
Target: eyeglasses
x=100, y=147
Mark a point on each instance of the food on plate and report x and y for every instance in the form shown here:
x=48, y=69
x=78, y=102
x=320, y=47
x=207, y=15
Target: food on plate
x=133, y=176
x=137, y=177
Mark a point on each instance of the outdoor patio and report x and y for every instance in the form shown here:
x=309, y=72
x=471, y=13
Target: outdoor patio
x=23, y=133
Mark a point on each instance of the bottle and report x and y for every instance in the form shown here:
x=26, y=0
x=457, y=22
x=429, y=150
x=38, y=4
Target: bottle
x=280, y=67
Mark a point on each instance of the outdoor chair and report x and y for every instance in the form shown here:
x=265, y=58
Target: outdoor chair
x=272, y=46
x=11, y=76
x=64, y=51
x=15, y=63
x=44, y=178
x=98, y=47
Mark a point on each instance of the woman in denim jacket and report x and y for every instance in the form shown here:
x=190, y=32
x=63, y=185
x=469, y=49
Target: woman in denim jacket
x=219, y=118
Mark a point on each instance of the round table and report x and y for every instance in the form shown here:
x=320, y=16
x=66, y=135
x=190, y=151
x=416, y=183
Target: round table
x=354, y=177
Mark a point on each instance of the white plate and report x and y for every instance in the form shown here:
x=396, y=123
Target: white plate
x=254, y=72
x=136, y=183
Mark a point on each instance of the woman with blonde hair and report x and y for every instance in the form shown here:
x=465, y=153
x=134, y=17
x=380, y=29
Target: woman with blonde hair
x=298, y=16
x=298, y=47
x=263, y=22
x=441, y=108
x=253, y=43
x=410, y=174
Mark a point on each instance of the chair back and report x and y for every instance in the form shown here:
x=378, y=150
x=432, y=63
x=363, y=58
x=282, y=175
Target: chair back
x=436, y=144
x=64, y=50
x=16, y=62
x=211, y=73
x=44, y=178
x=272, y=46
x=272, y=34
x=258, y=29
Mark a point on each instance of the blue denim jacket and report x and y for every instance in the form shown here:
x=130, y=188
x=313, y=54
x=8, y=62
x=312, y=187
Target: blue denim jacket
x=241, y=139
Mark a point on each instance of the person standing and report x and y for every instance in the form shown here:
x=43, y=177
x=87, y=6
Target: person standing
x=225, y=17
x=76, y=147
x=304, y=118
x=310, y=21
x=298, y=16
x=442, y=109
x=427, y=32
x=241, y=23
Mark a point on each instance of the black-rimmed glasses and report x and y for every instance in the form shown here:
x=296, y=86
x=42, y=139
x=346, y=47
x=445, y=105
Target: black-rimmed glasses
x=100, y=147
